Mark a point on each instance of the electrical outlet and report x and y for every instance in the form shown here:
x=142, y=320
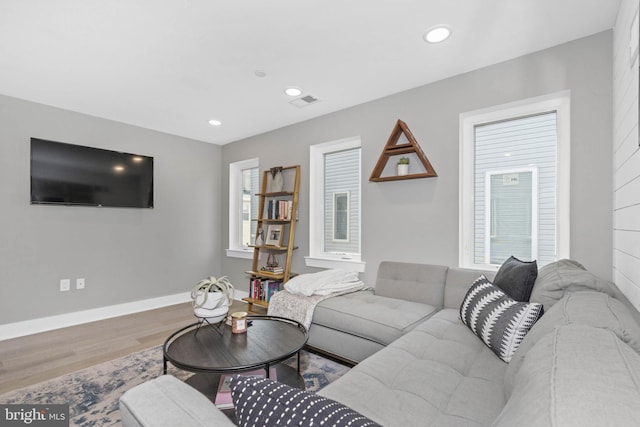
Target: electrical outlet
x=65, y=285
x=79, y=283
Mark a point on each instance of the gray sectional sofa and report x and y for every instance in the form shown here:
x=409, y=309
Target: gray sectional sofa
x=420, y=365
x=355, y=326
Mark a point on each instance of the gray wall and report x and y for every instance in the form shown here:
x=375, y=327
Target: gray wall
x=417, y=220
x=626, y=159
x=124, y=255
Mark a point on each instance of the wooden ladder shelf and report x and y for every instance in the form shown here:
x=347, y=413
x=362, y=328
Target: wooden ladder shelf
x=286, y=226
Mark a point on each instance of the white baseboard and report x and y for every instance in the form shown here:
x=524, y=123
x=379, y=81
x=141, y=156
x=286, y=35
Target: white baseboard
x=43, y=324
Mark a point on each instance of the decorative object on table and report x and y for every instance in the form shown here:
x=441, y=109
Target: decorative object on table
x=277, y=182
x=239, y=322
x=212, y=298
x=260, y=237
x=403, y=166
x=394, y=148
x=274, y=234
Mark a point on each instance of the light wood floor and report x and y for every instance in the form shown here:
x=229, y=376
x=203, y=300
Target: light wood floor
x=31, y=359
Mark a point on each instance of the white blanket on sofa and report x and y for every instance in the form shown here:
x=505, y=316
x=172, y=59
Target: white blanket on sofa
x=326, y=282
x=302, y=293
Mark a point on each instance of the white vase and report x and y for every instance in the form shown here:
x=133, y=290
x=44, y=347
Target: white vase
x=213, y=310
x=403, y=169
x=277, y=182
x=260, y=238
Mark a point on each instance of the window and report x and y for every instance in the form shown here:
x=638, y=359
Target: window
x=334, y=220
x=244, y=181
x=510, y=216
x=514, y=185
x=340, y=217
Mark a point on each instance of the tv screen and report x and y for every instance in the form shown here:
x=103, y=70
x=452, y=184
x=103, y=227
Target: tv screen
x=68, y=174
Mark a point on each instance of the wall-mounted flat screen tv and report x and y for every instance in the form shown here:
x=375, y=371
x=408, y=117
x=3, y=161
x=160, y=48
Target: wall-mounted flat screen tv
x=67, y=174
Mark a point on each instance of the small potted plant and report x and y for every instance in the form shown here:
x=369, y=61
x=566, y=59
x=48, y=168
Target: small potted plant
x=212, y=298
x=403, y=166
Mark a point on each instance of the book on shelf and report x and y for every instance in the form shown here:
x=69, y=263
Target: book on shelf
x=263, y=289
x=224, y=399
x=279, y=209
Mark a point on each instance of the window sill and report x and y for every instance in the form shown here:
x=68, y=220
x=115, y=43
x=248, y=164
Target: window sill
x=485, y=267
x=240, y=253
x=344, y=264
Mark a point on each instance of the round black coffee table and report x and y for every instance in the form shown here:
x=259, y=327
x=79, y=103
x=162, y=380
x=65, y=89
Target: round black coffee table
x=212, y=350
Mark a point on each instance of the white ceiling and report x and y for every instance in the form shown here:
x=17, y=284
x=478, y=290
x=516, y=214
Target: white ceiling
x=172, y=65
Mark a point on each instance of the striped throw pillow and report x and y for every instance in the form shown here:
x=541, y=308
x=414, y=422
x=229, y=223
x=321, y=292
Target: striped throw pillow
x=497, y=319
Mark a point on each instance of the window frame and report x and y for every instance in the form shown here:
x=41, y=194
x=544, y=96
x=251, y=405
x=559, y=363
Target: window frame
x=558, y=102
x=317, y=256
x=236, y=248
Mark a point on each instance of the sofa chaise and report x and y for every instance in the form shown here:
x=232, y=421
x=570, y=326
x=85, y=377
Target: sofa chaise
x=419, y=364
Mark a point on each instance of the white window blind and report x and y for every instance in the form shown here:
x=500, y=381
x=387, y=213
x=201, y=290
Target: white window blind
x=342, y=191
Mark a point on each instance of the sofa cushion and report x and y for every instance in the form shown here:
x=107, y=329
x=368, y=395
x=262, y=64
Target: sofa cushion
x=412, y=282
x=458, y=282
x=588, y=308
x=262, y=402
x=497, y=319
x=576, y=376
x=564, y=276
x=373, y=317
x=433, y=375
x=559, y=278
x=516, y=278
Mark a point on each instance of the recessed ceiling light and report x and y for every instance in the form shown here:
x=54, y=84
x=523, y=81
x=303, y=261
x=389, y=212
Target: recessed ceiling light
x=437, y=34
x=260, y=73
x=215, y=122
x=118, y=168
x=293, y=91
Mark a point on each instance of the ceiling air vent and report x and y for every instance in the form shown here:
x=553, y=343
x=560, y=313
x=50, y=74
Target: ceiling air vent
x=304, y=101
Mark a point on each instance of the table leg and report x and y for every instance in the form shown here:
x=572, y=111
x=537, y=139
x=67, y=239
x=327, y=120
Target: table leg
x=298, y=362
x=164, y=362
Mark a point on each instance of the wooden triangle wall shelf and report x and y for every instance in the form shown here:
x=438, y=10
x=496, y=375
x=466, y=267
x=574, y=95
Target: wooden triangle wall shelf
x=392, y=149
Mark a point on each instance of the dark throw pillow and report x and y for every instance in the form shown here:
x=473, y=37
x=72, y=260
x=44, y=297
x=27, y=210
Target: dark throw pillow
x=262, y=402
x=497, y=319
x=517, y=278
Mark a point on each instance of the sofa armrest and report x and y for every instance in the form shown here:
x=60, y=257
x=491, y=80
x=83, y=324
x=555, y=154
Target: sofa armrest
x=422, y=283
x=167, y=401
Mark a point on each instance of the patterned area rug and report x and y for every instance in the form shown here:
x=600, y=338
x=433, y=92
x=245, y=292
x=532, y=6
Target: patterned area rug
x=93, y=393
